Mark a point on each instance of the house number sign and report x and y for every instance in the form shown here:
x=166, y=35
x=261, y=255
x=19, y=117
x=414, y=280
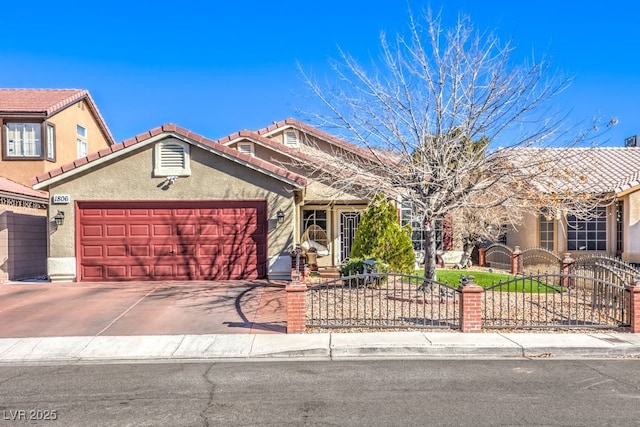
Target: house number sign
x=61, y=199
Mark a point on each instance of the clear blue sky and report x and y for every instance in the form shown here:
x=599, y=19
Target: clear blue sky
x=216, y=67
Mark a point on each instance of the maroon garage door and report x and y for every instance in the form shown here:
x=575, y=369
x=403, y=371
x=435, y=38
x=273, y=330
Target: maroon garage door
x=119, y=241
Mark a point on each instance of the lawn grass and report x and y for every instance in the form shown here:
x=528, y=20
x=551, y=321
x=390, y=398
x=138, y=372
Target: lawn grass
x=487, y=279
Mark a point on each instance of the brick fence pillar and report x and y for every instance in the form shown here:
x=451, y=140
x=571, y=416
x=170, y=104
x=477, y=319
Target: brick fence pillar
x=568, y=271
x=634, y=305
x=471, y=307
x=482, y=257
x=517, y=266
x=296, y=307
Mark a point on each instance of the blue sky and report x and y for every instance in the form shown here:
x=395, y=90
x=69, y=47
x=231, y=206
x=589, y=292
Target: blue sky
x=217, y=67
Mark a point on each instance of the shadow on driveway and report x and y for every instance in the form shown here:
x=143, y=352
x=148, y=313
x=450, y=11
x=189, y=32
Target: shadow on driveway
x=142, y=308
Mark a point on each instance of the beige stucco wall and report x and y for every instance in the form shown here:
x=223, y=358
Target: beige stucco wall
x=65, y=121
x=631, y=237
x=212, y=178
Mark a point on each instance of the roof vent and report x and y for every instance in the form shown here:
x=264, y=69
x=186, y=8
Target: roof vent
x=632, y=141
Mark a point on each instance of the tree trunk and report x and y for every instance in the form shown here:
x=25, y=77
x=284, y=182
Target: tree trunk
x=430, y=253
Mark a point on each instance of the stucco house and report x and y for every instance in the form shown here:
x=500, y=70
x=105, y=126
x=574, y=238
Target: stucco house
x=612, y=174
x=41, y=129
x=170, y=204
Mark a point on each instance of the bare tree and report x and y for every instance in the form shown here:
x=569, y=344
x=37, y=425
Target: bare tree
x=447, y=117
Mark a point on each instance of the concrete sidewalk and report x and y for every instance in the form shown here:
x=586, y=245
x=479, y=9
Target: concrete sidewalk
x=325, y=346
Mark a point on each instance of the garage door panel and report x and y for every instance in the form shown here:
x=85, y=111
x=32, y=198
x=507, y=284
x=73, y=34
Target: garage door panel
x=118, y=213
x=163, y=271
x=140, y=250
x=140, y=272
x=116, y=251
x=162, y=230
x=160, y=213
x=92, y=272
x=91, y=231
x=208, y=250
x=149, y=241
x=140, y=230
x=89, y=251
x=186, y=250
x=162, y=250
x=116, y=271
x=186, y=229
x=209, y=230
x=115, y=230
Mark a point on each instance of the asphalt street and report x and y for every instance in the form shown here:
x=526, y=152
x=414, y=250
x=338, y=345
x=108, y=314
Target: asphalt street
x=350, y=393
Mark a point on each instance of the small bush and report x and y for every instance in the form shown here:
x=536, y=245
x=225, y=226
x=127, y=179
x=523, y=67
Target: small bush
x=356, y=266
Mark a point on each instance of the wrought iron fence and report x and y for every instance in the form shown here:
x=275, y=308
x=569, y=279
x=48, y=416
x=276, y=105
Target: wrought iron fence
x=555, y=300
x=498, y=256
x=540, y=259
x=382, y=300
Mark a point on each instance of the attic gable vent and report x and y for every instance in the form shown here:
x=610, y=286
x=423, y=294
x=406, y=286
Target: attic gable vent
x=291, y=138
x=246, y=148
x=172, y=158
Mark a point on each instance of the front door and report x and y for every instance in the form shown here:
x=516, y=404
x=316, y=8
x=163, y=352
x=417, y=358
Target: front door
x=348, y=225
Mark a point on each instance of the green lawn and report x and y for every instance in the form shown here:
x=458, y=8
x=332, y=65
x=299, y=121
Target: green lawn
x=486, y=279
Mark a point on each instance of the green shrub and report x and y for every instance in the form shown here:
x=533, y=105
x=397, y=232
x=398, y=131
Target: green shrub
x=380, y=237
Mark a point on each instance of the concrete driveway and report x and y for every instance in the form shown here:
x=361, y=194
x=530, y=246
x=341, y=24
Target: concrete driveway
x=32, y=309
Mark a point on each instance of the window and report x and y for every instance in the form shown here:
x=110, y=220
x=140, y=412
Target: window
x=246, y=148
x=314, y=217
x=589, y=234
x=171, y=158
x=407, y=216
x=82, y=145
x=546, y=232
x=23, y=139
x=619, y=227
x=51, y=142
x=291, y=138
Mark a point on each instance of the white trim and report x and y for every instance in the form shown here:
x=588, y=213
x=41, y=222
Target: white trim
x=159, y=157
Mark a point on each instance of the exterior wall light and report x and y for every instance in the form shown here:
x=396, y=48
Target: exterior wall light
x=280, y=216
x=59, y=218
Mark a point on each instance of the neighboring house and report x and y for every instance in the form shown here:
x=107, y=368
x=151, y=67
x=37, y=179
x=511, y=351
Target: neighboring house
x=40, y=129
x=46, y=128
x=611, y=173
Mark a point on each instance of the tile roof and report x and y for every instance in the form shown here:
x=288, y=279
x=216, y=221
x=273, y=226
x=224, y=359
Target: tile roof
x=11, y=187
x=290, y=122
x=597, y=169
x=212, y=145
x=47, y=102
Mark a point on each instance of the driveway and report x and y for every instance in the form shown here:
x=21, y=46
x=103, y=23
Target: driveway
x=32, y=309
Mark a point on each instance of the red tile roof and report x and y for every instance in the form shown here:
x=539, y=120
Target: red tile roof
x=369, y=154
x=216, y=146
x=47, y=102
x=11, y=187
